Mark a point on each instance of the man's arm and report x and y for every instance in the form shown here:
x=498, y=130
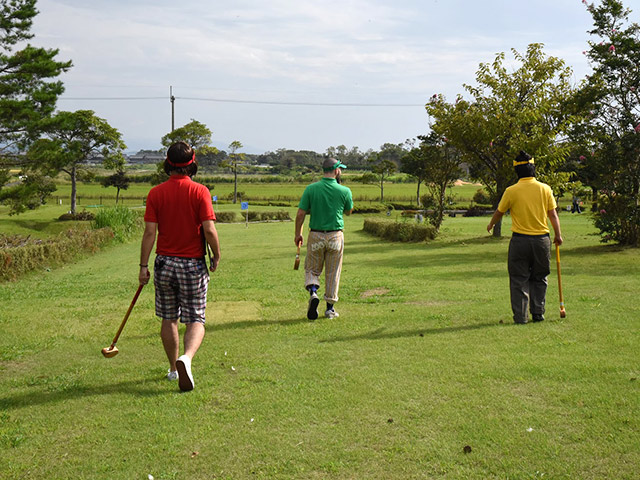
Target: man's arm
x=497, y=215
x=148, y=239
x=298, y=238
x=555, y=223
x=211, y=235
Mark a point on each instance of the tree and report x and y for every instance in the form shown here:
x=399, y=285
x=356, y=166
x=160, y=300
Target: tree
x=72, y=138
x=611, y=133
x=438, y=164
x=353, y=157
x=31, y=192
x=28, y=92
x=118, y=179
x=385, y=163
x=234, y=160
x=197, y=135
x=508, y=112
x=414, y=164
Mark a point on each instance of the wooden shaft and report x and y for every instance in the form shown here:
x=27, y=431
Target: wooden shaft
x=126, y=317
x=559, y=277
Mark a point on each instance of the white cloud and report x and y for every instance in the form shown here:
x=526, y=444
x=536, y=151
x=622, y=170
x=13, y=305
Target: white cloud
x=351, y=51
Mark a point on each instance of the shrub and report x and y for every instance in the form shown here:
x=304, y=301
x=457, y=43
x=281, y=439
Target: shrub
x=375, y=208
x=20, y=255
x=476, y=211
x=618, y=219
x=399, y=232
x=225, y=217
x=78, y=216
x=123, y=221
x=254, y=216
x=481, y=196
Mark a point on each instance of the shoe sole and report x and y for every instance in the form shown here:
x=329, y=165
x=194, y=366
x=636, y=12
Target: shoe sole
x=312, y=312
x=185, y=381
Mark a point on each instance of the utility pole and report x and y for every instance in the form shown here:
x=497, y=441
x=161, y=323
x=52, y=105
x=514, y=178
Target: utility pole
x=173, y=100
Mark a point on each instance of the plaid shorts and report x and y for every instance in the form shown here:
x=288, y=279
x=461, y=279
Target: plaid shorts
x=181, y=288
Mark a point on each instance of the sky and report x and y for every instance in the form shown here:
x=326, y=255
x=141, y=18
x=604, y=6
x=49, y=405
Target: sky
x=294, y=74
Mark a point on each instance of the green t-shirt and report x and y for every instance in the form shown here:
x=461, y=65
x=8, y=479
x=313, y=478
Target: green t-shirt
x=326, y=200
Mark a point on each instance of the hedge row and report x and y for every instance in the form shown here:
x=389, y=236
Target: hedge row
x=230, y=217
x=23, y=254
x=399, y=231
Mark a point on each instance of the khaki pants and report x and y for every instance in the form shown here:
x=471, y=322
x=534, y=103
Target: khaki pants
x=324, y=250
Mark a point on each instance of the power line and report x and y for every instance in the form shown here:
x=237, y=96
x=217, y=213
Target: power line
x=112, y=98
x=254, y=102
x=310, y=104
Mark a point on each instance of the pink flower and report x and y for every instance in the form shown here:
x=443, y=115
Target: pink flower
x=637, y=129
x=582, y=158
x=612, y=48
x=584, y=52
x=491, y=143
x=584, y=1
x=603, y=211
x=633, y=89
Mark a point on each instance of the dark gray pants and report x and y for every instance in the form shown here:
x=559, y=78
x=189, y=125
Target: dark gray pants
x=528, y=271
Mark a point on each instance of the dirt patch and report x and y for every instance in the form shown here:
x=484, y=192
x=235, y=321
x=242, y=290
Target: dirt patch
x=374, y=292
x=457, y=183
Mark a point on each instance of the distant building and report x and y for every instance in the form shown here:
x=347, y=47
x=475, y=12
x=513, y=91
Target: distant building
x=146, y=157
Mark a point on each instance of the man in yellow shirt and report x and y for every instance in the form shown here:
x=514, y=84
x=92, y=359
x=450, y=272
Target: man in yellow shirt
x=531, y=203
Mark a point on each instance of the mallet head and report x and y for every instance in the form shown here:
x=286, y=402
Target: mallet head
x=563, y=314
x=109, y=352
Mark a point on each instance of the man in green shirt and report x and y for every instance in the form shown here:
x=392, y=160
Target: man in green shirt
x=326, y=201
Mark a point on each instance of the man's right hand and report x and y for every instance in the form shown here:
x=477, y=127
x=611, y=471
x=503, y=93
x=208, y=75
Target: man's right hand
x=144, y=275
x=298, y=240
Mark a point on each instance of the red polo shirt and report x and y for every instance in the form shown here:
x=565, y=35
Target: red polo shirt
x=179, y=206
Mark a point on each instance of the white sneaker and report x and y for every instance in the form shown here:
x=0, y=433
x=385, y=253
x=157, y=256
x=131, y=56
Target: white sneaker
x=185, y=379
x=172, y=375
x=331, y=314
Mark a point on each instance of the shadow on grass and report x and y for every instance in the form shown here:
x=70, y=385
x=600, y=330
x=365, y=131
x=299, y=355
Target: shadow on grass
x=33, y=398
x=380, y=333
x=254, y=323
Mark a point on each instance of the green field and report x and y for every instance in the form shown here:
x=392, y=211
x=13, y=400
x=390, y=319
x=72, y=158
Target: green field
x=423, y=364
x=91, y=193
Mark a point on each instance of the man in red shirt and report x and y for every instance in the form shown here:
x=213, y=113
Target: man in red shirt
x=180, y=212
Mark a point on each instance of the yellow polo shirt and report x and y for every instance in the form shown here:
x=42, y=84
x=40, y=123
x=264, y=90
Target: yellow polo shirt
x=529, y=201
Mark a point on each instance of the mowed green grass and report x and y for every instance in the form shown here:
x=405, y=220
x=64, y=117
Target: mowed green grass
x=423, y=362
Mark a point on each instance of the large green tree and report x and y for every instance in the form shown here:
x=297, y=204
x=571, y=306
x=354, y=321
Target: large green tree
x=611, y=134
x=73, y=138
x=28, y=94
x=508, y=110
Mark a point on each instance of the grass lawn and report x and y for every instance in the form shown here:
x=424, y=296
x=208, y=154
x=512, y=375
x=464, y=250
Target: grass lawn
x=423, y=363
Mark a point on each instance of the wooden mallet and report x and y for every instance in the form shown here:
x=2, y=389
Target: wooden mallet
x=112, y=350
x=296, y=264
x=563, y=313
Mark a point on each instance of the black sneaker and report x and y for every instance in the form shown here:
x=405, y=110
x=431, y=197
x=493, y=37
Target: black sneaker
x=537, y=317
x=312, y=311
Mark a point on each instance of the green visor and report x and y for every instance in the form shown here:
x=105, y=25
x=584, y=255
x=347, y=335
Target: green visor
x=338, y=164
